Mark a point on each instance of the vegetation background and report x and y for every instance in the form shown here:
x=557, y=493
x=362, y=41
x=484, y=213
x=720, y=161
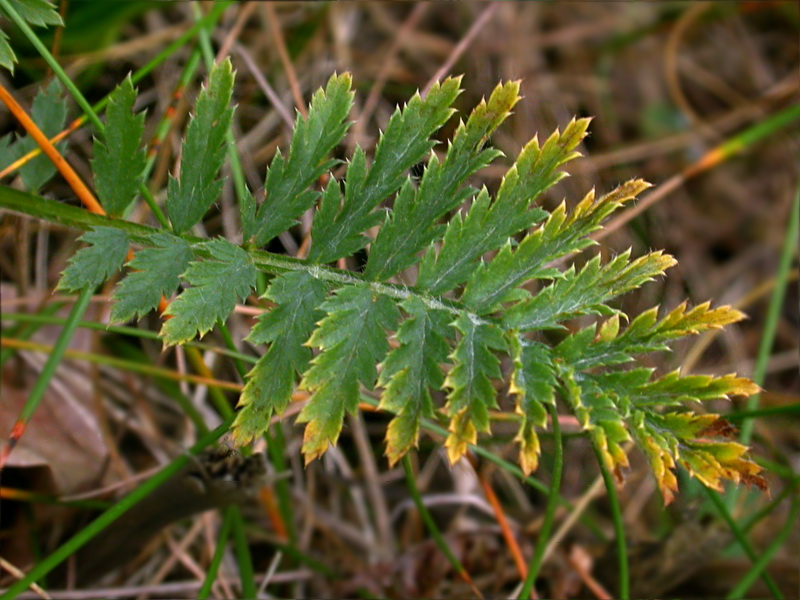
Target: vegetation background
x=671, y=86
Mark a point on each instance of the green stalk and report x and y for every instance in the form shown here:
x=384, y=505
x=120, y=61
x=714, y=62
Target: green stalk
x=438, y=538
x=763, y=561
x=112, y=514
x=619, y=526
x=276, y=447
x=70, y=325
x=742, y=540
x=50, y=366
x=776, y=300
x=550, y=510
x=53, y=64
x=231, y=346
x=774, y=411
x=81, y=101
x=244, y=560
x=219, y=552
x=774, y=309
x=166, y=121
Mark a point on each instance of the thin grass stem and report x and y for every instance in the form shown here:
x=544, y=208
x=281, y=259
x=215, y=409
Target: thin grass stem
x=619, y=526
x=550, y=510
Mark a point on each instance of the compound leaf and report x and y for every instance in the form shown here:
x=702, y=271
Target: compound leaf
x=533, y=382
x=701, y=443
x=562, y=234
x=39, y=13
x=409, y=373
x=287, y=196
x=286, y=327
x=49, y=112
x=155, y=272
x=190, y=196
x=92, y=265
x=645, y=334
x=412, y=223
x=7, y=56
x=488, y=225
x=119, y=161
x=352, y=341
x=586, y=291
x=471, y=392
x=337, y=229
x=218, y=282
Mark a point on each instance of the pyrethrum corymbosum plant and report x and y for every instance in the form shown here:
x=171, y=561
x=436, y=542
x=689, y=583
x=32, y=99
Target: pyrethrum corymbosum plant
x=486, y=285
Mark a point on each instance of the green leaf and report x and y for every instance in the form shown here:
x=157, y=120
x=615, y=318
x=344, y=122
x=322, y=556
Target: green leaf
x=7, y=56
x=286, y=328
x=35, y=12
x=602, y=414
x=351, y=340
x=673, y=389
x=644, y=334
x=155, y=272
x=190, y=197
x=337, y=229
x=39, y=13
x=7, y=151
x=562, y=234
x=287, y=196
x=585, y=292
x=471, y=392
x=411, y=225
x=49, y=112
x=533, y=382
x=92, y=265
x=409, y=373
x=488, y=225
x=217, y=283
x=119, y=163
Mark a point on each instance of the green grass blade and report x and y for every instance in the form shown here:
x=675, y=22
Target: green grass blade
x=773, y=310
x=740, y=590
x=742, y=540
x=430, y=524
x=550, y=510
x=49, y=369
x=619, y=527
x=219, y=552
x=243, y=557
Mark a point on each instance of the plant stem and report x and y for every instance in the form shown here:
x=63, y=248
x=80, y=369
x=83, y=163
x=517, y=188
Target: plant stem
x=763, y=561
x=219, y=551
x=49, y=369
x=430, y=524
x=742, y=540
x=619, y=526
x=550, y=510
x=244, y=560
